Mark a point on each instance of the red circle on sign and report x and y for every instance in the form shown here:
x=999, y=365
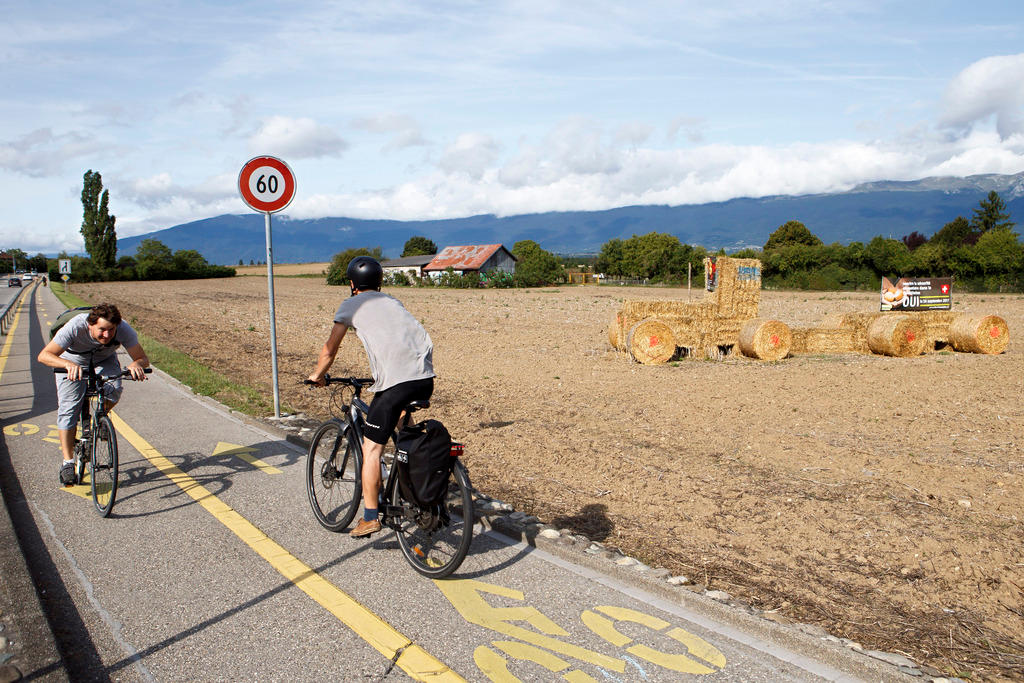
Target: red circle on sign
x=274, y=199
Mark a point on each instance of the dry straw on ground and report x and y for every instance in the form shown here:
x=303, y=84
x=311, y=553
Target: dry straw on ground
x=897, y=335
x=979, y=334
x=765, y=339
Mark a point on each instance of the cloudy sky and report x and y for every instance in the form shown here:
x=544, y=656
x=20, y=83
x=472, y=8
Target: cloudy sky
x=435, y=109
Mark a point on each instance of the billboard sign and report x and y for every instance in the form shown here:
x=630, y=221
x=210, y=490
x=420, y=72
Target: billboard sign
x=917, y=294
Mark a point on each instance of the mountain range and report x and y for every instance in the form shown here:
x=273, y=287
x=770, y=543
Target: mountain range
x=888, y=208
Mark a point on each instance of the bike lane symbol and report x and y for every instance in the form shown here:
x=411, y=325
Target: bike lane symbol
x=28, y=429
x=22, y=429
x=543, y=645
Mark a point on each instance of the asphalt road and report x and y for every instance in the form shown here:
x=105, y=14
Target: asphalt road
x=212, y=567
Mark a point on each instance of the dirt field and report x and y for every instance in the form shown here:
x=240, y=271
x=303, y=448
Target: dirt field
x=285, y=269
x=878, y=497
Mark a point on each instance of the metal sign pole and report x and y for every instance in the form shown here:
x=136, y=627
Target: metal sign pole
x=273, y=321
x=267, y=185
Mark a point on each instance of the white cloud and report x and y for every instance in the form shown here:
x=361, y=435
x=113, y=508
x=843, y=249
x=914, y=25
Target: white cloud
x=690, y=126
x=33, y=243
x=403, y=130
x=470, y=154
x=576, y=170
x=296, y=138
x=993, y=86
x=42, y=153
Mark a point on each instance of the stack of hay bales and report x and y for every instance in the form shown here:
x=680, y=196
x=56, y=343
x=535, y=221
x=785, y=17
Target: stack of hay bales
x=696, y=327
x=906, y=334
x=654, y=331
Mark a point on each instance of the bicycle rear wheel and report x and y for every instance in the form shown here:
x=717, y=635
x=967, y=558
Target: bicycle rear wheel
x=436, y=542
x=103, y=466
x=333, y=475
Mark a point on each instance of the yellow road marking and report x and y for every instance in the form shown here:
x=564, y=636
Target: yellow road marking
x=83, y=490
x=246, y=454
x=25, y=429
x=10, y=338
x=411, y=658
x=467, y=597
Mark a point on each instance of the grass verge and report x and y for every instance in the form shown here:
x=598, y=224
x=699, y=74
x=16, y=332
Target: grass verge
x=201, y=379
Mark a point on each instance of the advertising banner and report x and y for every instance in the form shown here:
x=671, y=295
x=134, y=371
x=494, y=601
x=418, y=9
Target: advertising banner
x=917, y=294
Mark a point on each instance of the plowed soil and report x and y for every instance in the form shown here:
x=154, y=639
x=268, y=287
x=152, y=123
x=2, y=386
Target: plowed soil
x=881, y=498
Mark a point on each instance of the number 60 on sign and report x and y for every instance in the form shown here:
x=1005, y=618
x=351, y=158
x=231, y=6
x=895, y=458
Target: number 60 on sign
x=266, y=184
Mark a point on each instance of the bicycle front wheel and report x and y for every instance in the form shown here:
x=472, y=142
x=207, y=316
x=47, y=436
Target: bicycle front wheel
x=435, y=542
x=333, y=475
x=103, y=466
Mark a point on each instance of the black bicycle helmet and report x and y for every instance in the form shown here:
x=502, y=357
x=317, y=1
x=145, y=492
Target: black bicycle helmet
x=365, y=273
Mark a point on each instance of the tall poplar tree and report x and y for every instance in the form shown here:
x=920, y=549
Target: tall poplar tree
x=97, y=223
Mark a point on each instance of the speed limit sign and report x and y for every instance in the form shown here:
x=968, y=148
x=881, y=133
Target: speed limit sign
x=266, y=184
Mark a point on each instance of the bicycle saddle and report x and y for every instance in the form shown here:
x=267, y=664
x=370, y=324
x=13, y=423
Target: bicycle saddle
x=413, y=406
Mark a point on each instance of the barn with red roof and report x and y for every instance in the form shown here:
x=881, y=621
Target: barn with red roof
x=481, y=258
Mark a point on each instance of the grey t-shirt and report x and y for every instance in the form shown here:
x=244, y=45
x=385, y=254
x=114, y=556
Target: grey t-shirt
x=74, y=337
x=400, y=350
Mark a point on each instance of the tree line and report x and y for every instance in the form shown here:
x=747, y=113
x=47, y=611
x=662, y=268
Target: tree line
x=535, y=267
x=982, y=253
x=153, y=260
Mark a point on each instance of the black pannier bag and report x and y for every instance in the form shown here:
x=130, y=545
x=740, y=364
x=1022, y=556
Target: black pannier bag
x=424, y=462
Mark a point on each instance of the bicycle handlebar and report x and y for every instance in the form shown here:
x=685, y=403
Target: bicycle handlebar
x=358, y=382
x=124, y=373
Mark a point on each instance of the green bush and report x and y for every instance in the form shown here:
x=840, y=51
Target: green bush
x=397, y=279
x=339, y=264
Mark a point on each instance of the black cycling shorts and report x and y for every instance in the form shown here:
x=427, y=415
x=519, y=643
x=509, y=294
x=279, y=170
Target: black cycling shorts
x=386, y=407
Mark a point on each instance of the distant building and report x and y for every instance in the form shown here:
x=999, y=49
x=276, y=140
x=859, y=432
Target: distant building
x=410, y=265
x=483, y=258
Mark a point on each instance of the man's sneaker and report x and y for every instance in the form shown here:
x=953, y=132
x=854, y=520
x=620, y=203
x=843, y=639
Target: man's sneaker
x=67, y=473
x=365, y=528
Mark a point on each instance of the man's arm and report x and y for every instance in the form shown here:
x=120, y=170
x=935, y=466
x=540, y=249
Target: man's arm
x=140, y=361
x=50, y=355
x=327, y=353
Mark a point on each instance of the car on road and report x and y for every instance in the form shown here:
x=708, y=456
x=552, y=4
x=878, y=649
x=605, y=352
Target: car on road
x=27, y=277
x=14, y=281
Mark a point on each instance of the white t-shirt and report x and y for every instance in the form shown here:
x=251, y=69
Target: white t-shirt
x=398, y=347
x=74, y=337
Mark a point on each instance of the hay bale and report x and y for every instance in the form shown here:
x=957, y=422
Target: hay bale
x=765, y=339
x=979, y=333
x=896, y=335
x=651, y=342
x=936, y=328
x=825, y=340
x=832, y=340
x=615, y=332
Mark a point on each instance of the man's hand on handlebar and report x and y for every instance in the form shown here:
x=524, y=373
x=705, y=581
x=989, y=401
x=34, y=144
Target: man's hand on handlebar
x=74, y=371
x=137, y=372
x=316, y=380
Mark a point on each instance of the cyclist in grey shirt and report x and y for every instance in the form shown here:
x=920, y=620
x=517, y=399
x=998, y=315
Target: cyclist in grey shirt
x=95, y=336
x=401, y=362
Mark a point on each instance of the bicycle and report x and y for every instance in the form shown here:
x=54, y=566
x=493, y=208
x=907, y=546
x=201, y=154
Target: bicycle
x=97, y=447
x=434, y=541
